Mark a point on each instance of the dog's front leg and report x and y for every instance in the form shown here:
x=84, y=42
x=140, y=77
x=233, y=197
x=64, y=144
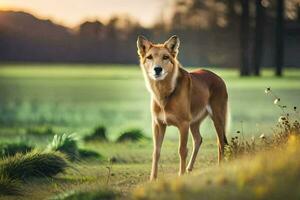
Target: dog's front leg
x=158, y=137
x=184, y=132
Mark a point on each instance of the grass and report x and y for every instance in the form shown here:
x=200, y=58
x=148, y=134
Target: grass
x=39, y=131
x=105, y=194
x=75, y=99
x=33, y=164
x=124, y=176
x=99, y=134
x=134, y=173
x=288, y=125
x=69, y=99
x=11, y=149
x=131, y=135
x=89, y=154
x=66, y=144
x=269, y=175
x=21, y=167
x=9, y=186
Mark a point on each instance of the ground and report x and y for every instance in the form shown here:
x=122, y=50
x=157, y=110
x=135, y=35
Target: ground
x=131, y=173
x=77, y=98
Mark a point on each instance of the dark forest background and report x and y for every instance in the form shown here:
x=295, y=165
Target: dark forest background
x=213, y=33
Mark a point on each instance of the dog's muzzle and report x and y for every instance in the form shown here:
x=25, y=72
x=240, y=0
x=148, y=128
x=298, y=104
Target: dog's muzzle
x=157, y=73
x=157, y=70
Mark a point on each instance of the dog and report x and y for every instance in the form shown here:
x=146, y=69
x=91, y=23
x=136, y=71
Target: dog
x=181, y=99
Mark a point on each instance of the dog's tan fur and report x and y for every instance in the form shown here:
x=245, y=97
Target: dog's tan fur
x=181, y=99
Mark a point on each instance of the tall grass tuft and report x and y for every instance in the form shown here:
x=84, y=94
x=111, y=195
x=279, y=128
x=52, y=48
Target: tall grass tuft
x=131, y=135
x=33, y=164
x=12, y=149
x=89, y=154
x=66, y=144
x=40, y=131
x=99, y=134
x=9, y=186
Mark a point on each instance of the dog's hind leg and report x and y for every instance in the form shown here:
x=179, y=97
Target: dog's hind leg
x=219, y=118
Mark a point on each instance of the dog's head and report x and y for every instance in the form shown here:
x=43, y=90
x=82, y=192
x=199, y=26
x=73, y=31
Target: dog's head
x=158, y=60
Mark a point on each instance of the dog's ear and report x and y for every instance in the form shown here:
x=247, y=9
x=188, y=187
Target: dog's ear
x=143, y=45
x=172, y=44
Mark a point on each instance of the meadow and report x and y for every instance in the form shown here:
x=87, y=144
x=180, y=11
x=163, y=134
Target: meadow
x=77, y=98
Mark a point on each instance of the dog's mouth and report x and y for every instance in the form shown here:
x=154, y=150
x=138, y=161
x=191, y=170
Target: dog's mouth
x=158, y=77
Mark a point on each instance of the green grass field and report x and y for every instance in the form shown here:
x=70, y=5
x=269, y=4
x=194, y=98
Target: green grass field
x=77, y=98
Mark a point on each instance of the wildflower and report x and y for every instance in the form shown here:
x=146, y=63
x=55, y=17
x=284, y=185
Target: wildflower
x=262, y=136
x=267, y=90
x=276, y=100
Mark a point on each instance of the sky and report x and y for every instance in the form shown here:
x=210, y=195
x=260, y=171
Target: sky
x=73, y=12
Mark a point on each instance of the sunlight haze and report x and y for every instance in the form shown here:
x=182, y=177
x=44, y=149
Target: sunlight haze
x=73, y=12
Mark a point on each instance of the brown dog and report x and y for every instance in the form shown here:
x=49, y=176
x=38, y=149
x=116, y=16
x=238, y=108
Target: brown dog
x=181, y=99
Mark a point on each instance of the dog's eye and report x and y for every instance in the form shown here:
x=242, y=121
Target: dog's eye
x=165, y=57
x=149, y=57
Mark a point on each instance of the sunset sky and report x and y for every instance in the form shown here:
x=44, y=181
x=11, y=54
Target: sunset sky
x=73, y=12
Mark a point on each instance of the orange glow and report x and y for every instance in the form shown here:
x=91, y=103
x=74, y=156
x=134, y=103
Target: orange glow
x=73, y=12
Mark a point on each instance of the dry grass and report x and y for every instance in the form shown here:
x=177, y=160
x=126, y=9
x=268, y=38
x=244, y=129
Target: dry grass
x=268, y=175
x=288, y=125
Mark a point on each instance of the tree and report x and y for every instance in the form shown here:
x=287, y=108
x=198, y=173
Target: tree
x=244, y=39
x=279, y=37
x=259, y=35
x=298, y=12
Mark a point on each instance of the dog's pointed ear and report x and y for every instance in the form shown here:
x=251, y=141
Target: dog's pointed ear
x=143, y=45
x=172, y=44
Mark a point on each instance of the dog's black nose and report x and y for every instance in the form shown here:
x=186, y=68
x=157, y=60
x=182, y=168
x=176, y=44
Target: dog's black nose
x=157, y=70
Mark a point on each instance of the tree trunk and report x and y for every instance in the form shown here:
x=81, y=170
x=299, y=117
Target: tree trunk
x=259, y=37
x=244, y=37
x=279, y=37
x=298, y=12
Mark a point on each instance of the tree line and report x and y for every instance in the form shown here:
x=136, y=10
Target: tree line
x=220, y=33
